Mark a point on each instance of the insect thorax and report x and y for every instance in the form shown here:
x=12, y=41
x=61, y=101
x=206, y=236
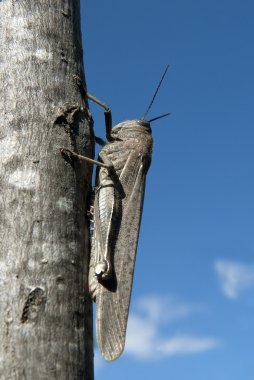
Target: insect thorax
x=132, y=129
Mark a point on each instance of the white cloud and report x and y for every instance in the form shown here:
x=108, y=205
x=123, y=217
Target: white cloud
x=187, y=344
x=163, y=309
x=144, y=339
x=234, y=277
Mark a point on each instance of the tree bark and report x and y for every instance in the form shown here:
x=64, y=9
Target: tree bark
x=45, y=309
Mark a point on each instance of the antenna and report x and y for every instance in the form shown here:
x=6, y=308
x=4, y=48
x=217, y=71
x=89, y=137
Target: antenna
x=159, y=117
x=156, y=91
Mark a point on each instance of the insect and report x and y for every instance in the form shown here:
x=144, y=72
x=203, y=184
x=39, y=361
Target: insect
x=122, y=167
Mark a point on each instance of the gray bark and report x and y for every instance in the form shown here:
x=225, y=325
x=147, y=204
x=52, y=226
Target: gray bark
x=45, y=310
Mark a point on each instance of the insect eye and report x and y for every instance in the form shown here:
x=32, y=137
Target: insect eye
x=144, y=123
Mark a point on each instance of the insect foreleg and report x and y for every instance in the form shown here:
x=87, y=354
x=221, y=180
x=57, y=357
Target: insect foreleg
x=107, y=112
x=107, y=115
x=100, y=141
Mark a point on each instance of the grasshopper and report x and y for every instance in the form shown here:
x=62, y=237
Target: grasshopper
x=122, y=167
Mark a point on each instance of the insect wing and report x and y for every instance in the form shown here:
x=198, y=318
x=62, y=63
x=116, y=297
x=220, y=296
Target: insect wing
x=113, y=299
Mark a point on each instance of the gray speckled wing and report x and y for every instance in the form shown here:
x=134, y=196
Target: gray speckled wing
x=113, y=300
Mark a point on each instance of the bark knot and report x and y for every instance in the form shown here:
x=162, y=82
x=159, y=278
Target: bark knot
x=66, y=115
x=35, y=300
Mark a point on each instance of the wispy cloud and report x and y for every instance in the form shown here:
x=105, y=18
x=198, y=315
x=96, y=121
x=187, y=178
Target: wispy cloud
x=234, y=277
x=144, y=336
x=163, y=309
x=187, y=344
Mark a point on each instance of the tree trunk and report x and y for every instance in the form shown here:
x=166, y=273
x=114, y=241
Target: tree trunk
x=45, y=310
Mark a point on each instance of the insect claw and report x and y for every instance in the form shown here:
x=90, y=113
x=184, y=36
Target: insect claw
x=90, y=213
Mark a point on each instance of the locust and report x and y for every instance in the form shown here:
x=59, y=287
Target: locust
x=122, y=166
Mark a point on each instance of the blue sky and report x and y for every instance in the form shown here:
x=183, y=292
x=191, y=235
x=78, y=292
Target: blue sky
x=192, y=304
